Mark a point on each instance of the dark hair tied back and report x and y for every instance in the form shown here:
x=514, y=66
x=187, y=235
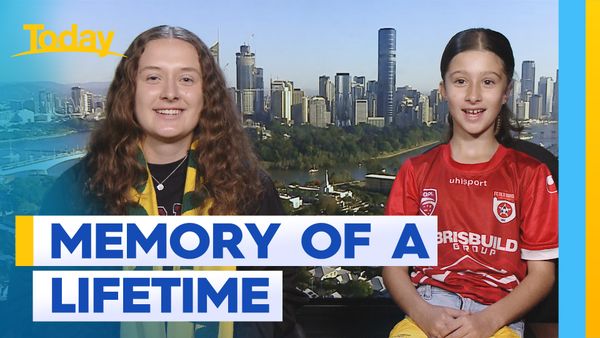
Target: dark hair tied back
x=485, y=39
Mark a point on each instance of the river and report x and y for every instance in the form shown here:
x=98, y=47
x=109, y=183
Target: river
x=30, y=149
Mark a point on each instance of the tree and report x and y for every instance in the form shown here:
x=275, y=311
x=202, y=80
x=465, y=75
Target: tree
x=355, y=288
x=327, y=205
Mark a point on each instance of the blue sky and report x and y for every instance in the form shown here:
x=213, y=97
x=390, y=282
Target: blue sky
x=293, y=40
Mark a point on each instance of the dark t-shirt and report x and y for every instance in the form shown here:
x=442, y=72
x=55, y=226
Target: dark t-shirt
x=170, y=197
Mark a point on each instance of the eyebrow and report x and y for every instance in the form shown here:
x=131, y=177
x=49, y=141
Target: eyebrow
x=484, y=73
x=184, y=69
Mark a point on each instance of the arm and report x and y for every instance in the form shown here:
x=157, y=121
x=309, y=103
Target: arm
x=533, y=288
x=435, y=321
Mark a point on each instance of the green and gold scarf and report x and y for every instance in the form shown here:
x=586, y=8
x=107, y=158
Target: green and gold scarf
x=145, y=203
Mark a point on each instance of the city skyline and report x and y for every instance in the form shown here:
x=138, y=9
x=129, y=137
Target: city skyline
x=299, y=47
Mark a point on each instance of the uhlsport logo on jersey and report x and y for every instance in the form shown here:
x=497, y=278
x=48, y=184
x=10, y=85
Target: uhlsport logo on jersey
x=504, y=207
x=88, y=41
x=428, y=201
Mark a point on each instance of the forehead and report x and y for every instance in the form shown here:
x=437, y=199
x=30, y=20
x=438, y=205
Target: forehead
x=476, y=61
x=169, y=53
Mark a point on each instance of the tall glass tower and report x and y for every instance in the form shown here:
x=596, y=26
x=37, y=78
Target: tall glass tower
x=343, y=100
x=386, y=74
x=527, y=79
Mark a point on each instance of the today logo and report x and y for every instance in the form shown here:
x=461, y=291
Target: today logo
x=48, y=41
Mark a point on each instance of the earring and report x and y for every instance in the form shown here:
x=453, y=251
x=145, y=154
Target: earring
x=497, y=125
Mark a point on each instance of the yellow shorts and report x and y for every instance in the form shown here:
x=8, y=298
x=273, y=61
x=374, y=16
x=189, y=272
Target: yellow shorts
x=408, y=328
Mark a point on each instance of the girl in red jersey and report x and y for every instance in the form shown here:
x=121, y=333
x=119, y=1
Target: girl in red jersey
x=496, y=207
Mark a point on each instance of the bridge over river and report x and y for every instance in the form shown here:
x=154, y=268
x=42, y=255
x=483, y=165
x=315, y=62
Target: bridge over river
x=39, y=164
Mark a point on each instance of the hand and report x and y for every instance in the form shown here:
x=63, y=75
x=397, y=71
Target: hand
x=474, y=325
x=438, y=321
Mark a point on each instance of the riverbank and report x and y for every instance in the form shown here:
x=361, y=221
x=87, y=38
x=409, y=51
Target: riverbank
x=403, y=151
x=42, y=137
x=271, y=165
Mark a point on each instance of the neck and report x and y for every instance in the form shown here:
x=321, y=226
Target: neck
x=157, y=152
x=473, y=150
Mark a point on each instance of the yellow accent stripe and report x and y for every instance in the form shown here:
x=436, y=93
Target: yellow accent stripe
x=592, y=167
x=24, y=241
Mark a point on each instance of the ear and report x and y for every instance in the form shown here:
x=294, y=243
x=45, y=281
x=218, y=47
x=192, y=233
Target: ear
x=442, y=89
x=507, y=92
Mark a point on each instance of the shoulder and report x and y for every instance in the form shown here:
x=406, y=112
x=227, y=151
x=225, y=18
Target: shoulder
x=69, y=195
x=538, y=152
x=523, y=160
x=268, y=202
x=75, y=175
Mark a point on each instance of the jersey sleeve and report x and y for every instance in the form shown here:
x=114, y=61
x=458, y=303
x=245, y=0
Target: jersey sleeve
x=539, y=216
x=404, y=196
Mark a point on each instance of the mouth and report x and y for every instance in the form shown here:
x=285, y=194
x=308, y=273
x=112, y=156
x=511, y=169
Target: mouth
x=169, y=112
x=473, y=112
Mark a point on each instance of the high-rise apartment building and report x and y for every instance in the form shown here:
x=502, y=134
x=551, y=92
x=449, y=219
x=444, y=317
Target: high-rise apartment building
x=386, y=73
x=281, y=100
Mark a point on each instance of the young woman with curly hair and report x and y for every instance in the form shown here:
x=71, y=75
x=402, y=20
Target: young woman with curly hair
x=172, y=143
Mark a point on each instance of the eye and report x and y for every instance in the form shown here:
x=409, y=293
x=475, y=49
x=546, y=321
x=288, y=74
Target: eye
x=460, y=82
x=489, y=82
x=188, y=80
x=152, y=78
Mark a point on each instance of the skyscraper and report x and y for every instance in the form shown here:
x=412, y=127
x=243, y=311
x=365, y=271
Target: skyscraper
x=46, y=106
x=245, y=64
x=76, y=93
x=535, y=107
x=297, y=96
x=515, y=96
x=259, y=87
x=386, y=73
x=214, y=50
x=527, y=78
x=343, y=112
x=546, y=92
x=318, y=115
x=326, y=90
x=555, y=100
x=361, y=110
x=281, y=99
x=359, y=88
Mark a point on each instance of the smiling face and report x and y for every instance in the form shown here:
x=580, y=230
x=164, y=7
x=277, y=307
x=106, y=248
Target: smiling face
x=168, y=96
x=476, y=87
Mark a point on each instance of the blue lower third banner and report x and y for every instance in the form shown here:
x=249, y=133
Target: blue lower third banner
x=182, y=295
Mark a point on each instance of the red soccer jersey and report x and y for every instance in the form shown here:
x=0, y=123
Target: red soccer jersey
x=492, y=217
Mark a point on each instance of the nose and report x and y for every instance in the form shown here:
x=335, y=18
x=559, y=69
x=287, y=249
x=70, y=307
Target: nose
x=170, y=91
x=473, y=94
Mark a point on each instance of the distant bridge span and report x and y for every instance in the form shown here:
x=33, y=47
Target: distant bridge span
x=39, y=164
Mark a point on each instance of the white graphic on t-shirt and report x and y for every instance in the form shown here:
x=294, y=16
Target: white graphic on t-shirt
x=489, y=279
